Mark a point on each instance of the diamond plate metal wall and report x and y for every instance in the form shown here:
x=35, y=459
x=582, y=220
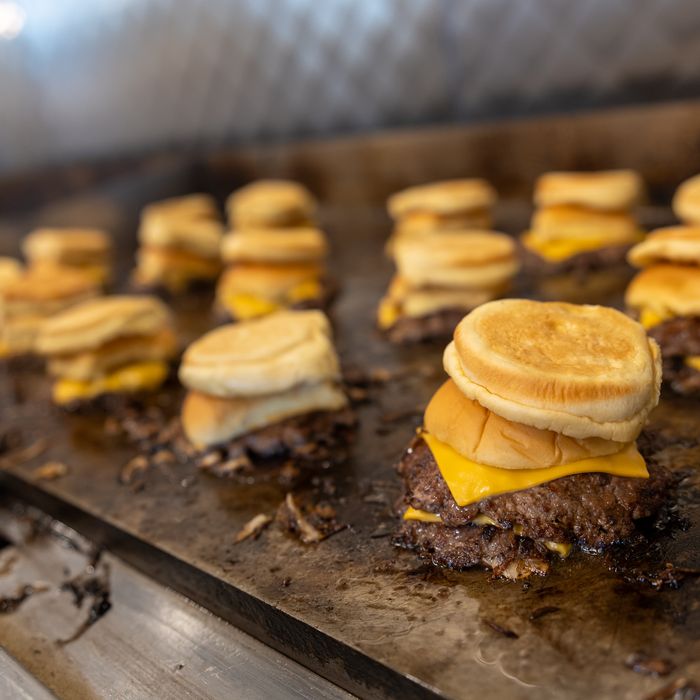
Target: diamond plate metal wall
x=89, y=78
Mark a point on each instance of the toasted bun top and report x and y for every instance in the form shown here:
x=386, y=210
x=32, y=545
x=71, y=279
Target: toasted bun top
x=266, y=281
x=66, y=245
x=607, y=189
x=666, y=289
x=262, y=356
x=447, y=197
x=49, y=283
x=584, y=371
x=199, y=236
x=566, y=221
x=679, y=244
x=487, y=438
x=686, y=201
x=268, y=200
x=301, y=244
x=191, y=206
x=97, y=321
x=10, y=270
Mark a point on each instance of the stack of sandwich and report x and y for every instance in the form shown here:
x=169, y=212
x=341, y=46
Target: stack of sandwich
x=529, y=448
x=33, y=296
x=266, y=389
x=441, y=276
x=441, y=206
x=272, y=269
x=665, y=296
x=686, y=202
x=271, y=204
x=179, y=244
x=83, y=250
x=112, y=345
x=583, y=221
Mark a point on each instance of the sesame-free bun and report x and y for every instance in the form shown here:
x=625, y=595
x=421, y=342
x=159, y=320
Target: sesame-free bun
x=47, y=288
x=676, y=244
x=686, y=201
x=584, y=371
x=262, y=356
x=265, y=281
x=10, y=270
x=199, y=236
x=666, y=289
x=420, y=222
x=565, y=221
x=289, y=245
x=98, y=321
x=191, y=206
x=442, y=198
x=610, y=190
x=68, y=246
x=211, y=420
x=270, y=203
x=466, y=259
x=485, y=437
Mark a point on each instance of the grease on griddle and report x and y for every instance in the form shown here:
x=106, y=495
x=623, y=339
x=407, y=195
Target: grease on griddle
x=640, y=662
x=21, y=455
x=537, y=613
x=311, y=523
x=504, y=631
x=680, y=689
x=8, y=604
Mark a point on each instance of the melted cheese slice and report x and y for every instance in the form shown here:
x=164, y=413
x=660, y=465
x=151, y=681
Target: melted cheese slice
x=556, y=251
x=563, y=549
x=246, y=306
x=388, y=313
x=142, y=376
x=693, y=361
x=470, y=482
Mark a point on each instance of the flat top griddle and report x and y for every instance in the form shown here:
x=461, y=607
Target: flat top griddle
x=368, y=616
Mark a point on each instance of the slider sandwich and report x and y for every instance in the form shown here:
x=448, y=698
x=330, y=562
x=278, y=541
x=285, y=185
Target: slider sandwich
x=112, y=345
x=32, y=296
x=272, y=269
x=271, y=204
x=665, y=296
x=179, y=241
x=583, y=221
x=267, y=389
x=441, y=206
x=86, y=250
x=528, y=450
x=440, y=277
x=10, y=270
x=686, y=201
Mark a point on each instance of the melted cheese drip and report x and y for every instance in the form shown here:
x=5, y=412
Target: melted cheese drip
x=556, y=251
x=388, y=313
x=142, y=376
x=693, y=361
x=470, y=482
x=246, y=306
x=652, y=317
x=563, y=549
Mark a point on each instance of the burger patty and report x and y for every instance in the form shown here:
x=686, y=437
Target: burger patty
x=416, y=329
x=592, y=510
x=580, y=263
x=678, y=338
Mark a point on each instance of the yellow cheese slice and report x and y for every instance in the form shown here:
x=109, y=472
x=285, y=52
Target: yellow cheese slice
x=142, y=376
x=246, y=306
x=388, y=313
x=556, y=251
x=470, y=482
x=311, y=289
x=563, y=549
x=693, y=361
x=650, y=318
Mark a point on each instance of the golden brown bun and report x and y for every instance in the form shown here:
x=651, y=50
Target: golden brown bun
x=96, y=322
x=290, y=245
x=96, y=362
x=465, y=259
x=10, y=270
x=609, y=190
x=686, y=201
x=189, y=207
x=584, y=371
x=202, y=237
x=271, y=282
x=271, y=203
x=484, y=437
x=443, y=198
x=676, y=244
x=262, y=356
x=420, y=222
x=209, y=420
x=49, y=283
x=565, y=221
x=416, y=302
x=67, y=246
x=667, y=290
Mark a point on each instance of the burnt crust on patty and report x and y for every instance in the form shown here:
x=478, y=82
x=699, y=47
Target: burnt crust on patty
x=580, y=263
x=418, y=329
x=679, y=337
x=591, y=510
